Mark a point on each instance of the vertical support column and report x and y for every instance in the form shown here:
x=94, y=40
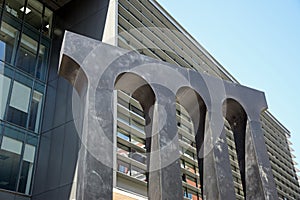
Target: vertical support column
x=259, y=178
x=95, y=171
x=165, y=178
x=218, y=182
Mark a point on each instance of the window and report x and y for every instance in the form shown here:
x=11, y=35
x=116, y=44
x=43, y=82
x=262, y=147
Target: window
x=34, y=17
x=123, y=118
x=8, y=41
x=15, y=8
x=123, y=167
x=138, y=156
x=26, y=59
x=27, y=169
x=47, y=22
x=123, y=102
x=123, y=150
x=138, y=173
x=136, y=110
x=35, y=111
x=191, y=181
x=138, y=142
x=189, y=154
x=42, y=62
x=4, y=89
x=10, y=154
x=137, y=125
x=190, y=167
x=19, y=103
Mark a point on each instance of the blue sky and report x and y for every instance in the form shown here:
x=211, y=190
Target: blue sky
x=258, y=42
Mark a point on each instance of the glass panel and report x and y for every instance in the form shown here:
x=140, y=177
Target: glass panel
x=137, y=141
x=8, y=42
x=123, y=134
x=20, y=97
x=137, y=125
x=35, y=111
x=189, y=154
x=192, y=195
x=123, y=102
x=47, y=22
x=27, y=54
x=137, y=111
x=190, y=167
x=191, y=181
x=123, y=118
x=9, y=162
x=19, y=103
x=27, y=169
x=123, y=150
x=137, y=156
x=15, y=8
x=4, y=89
x=42, y=63
x=34, y=14
x=123, y=167
x=138, y=173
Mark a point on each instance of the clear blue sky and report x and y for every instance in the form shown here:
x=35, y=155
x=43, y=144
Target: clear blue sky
x=258, y=42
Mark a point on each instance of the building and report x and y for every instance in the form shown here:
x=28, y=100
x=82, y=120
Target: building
x=39, y=150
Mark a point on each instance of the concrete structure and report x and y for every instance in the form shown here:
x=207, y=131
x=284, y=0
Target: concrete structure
x=44, y=151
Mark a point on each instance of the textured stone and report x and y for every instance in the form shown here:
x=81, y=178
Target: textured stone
x=92, y=68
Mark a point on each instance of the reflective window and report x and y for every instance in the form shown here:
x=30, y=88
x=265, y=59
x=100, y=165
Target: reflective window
x=4, y=89
x=138, y=173
x=47, y=22
x=123, y=118
x=10, y=154
x=27, y=169
x=34, y=14
x=137, y=125
x=35, y=111
x=42, y=63
x=123, y=150
x=138, y=141
x=138, y=156
x=8, y=42
x=123, y=134
x=123, y=167
x=27, y=54
x=191, y=181
x=19, y=103
x=16, y=8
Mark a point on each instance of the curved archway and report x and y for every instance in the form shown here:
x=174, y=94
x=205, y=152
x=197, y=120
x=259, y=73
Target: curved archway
x=133, y=99
x=235, y=118
x=191, y=112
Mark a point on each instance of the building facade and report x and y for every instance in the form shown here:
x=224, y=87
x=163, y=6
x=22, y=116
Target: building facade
x=39, y=143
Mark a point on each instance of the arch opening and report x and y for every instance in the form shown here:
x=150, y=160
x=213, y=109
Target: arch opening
x=235, y=121
x=133, y=101
x=190, y=115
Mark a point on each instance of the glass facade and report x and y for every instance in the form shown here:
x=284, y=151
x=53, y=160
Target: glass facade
x=25, y=41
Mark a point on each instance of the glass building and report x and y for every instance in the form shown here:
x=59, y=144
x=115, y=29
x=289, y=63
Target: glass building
x=25, y=42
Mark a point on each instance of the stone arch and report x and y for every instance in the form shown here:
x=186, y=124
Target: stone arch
x=196, y=109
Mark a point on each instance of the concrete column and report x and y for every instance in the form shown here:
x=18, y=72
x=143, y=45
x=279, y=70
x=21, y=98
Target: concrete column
x=164, y=178
x=259, y=178
x=218, y=182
